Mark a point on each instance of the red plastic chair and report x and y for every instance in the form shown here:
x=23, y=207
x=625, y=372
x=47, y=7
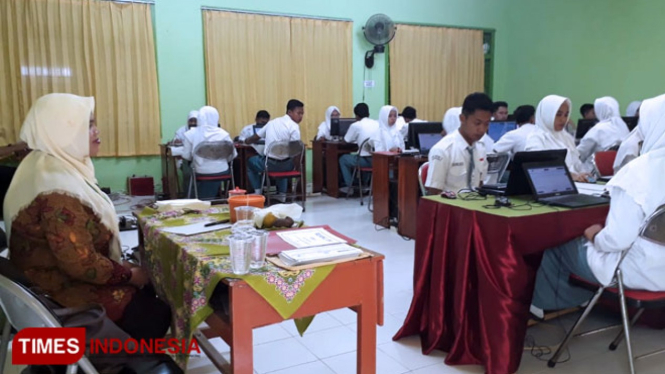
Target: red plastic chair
x=365, y=146
x=422, y=177
x=604, y=161
x=295, y=150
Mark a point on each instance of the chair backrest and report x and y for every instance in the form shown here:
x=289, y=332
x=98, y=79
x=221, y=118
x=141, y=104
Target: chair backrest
x=498, y=162
x=286, y=149
x=422, y=177
x=22, y=307
x=367, y=146
x=215, y=150
x=604, y=162
x=654, y=228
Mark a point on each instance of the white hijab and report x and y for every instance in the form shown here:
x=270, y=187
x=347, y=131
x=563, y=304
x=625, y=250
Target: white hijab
x=545, y=116
x=192, y=114
x=206, y=127
x=389, y=136
x=451, y=121
x=329, y=113
x=607, y=111
x=643, y=178
x=631, y=109
x=57, y=130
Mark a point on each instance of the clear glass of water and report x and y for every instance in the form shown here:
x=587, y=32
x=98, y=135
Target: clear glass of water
x=259, y=246
x=240, y=248
x=244, y=218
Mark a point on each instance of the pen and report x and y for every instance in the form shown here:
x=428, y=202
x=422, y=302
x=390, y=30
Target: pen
x=216, y=223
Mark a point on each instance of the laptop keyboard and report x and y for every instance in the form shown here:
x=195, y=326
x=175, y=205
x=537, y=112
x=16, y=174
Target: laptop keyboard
x=577, y=198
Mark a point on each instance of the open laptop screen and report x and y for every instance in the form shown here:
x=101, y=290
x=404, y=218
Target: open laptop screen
x=427, y=141
x=498, y=129
x=550, y=180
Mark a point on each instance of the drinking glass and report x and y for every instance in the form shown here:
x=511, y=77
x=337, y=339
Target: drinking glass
x=259, y=246
x=240, y=248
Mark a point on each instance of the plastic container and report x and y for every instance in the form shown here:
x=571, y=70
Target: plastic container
x=237, y=192
x=241, y=200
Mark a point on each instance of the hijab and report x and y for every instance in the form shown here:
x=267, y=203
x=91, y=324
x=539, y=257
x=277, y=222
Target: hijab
x=607, y=111
x=451, y=121
x=545, y=117
x=389, y=135
x=643, y=179
x=57, y=130
x=206, y=127
x=192, y=114
x=631, y=109
x=329, y=113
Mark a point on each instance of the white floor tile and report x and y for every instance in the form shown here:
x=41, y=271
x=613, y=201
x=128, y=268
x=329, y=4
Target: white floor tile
x=346, y=363
x=407, y=352
x=345, y=316
x=279, y=355
x=385, y=333
x=269, y=334
x=331, y=342
x=442, y=368
x=316, y=367
x=322, y=321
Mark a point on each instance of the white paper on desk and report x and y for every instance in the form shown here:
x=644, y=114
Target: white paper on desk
x=305, y=238
x=305, y=256
x=196, y=228
x=590, y=188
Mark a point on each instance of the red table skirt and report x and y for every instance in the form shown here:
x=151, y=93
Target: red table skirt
x=473, y=280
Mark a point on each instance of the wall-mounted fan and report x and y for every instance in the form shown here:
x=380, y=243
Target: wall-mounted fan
x=379, y=30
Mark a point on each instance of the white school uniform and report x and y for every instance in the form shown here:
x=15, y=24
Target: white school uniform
x=324, y=127
x=403, y=126
x=629, y=149
x=249, y=131
x=388, y=137
x=205, y=130
x=360, y=131
x=279, y=130
x=611, y=130
x=449, y=163
x=515, y=140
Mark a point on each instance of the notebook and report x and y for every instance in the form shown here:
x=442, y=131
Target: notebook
x=552, y=184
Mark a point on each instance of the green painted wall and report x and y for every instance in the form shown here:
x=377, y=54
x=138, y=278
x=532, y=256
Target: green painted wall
x=581, y=49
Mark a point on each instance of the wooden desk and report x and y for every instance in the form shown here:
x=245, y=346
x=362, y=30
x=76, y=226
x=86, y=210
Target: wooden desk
x=318, y=166
x=357, y=285
x=333, y=151
x=408, y=195
x=382, y=162
x=170, y=180
x=240, y=166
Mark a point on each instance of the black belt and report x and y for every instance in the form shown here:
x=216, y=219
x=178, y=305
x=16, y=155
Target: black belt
x=277, y=160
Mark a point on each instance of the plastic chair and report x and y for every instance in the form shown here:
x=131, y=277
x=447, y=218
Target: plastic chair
x=294, y=150
x=653, y=230
x=367, y=146
x=213, y=151
x=604, y=162
x=422, y=177
x=23, y=309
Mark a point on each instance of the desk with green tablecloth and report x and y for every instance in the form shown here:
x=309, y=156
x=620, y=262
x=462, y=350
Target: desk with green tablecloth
x=474, y=274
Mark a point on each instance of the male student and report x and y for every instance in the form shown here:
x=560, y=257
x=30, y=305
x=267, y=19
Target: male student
x=587, y=111
x=458, y=160
x=408, y=116
x=364, y=128
x=262, y=117
x=500, y=111
x=281, y=129
x=515, y=141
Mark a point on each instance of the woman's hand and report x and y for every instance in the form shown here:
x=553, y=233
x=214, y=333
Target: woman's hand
x=395, y=149
x=582, y=178
x=139, y=277
x=591, y=232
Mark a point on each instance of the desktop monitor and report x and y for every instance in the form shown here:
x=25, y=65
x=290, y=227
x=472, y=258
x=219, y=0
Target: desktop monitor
x=427, y=140
x=497, y=129
x=631, y=122
x=416, y=128
x=517, y=181
x=339, y=126
x=583, y=126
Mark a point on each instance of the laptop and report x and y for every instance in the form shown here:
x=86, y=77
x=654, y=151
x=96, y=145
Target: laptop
x=427, y=140
x=552, y=184
x=497, y=129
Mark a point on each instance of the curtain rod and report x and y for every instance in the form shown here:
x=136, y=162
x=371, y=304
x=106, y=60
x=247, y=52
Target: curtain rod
x=151, y=2
x=276, y=14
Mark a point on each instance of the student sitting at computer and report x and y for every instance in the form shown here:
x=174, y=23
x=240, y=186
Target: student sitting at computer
x=324, y=127
x=403, y=120
x=633, y=109
x=179, y=138
x=500, y=111
x=636, y=193
x=451, y=122
x=587, y=112
x=207, y=130
x=388, y=138
x=515, y=141
x=610, y=131
x=458, y=161
x=364, y=128
x=281, y=129
x=551, y=118
x=262, y=117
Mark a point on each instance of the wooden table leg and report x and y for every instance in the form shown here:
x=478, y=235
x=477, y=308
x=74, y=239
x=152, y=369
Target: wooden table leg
x=242, y=346
x=367, y=319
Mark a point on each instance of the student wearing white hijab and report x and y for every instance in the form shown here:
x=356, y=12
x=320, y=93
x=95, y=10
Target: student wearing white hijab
x=206, y=130
x=636, y=191
x=388, y=138
x=324, y=127
x=629, y=149
x=63, y=230
x=633, y=109
x=610, y=131
x=179, y=137
x=451, y=122
x=551, y=118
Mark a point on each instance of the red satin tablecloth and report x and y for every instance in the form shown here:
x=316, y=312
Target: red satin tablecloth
x=474, y=275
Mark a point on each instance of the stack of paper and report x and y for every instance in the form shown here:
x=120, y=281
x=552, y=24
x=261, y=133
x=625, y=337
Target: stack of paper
x=169, y=205
x=312, y=255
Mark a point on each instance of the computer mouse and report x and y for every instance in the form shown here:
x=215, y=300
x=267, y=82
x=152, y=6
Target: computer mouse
x=449, y=195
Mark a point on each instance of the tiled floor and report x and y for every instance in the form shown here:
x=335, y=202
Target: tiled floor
x=329, y=344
